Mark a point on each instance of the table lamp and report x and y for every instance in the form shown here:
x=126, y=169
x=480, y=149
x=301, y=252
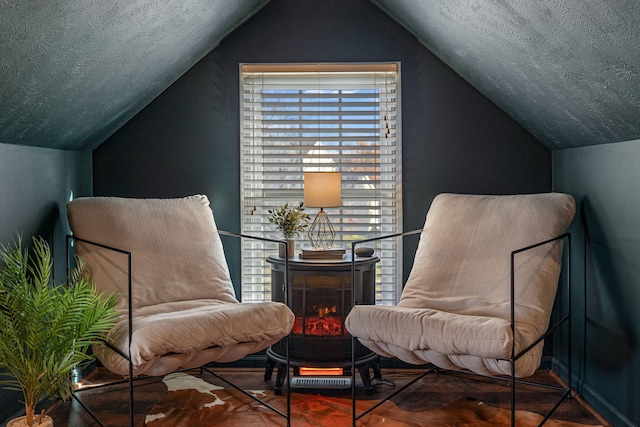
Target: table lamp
x=322, y=190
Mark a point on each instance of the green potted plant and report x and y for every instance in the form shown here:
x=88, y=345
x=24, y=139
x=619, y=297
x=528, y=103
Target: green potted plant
x=45, y=329
x=291, y=221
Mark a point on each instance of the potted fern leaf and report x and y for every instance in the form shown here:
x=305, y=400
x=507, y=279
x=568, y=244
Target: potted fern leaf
x=46, y=329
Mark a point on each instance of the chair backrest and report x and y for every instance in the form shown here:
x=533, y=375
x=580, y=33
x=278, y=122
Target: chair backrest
x=462, y=264
x=177, y=254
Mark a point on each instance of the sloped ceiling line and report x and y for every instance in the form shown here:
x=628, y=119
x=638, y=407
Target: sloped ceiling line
x=568, y=71
x=73, y=71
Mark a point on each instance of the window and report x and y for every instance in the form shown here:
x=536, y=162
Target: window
x=321, y=117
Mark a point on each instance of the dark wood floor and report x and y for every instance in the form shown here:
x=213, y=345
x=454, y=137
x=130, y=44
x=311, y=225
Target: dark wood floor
x=433, y=391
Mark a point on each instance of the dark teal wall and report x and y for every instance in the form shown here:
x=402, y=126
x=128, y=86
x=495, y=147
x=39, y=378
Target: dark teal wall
x=187, y=140
x=35, y=184
x=605, y=180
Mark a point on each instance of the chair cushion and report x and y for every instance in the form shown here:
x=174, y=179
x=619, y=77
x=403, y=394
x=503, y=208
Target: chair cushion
x=424, y=328
x=176, y=251
x=185, y=313
x=455, y=307
x=190, y=333
x=463, y=261
x=448, y=340
x=525, y=365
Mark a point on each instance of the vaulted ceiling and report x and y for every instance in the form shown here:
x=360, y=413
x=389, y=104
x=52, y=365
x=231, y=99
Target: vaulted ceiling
x=73, y=71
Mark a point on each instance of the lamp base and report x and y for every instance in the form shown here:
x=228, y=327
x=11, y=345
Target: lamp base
x=321, y=232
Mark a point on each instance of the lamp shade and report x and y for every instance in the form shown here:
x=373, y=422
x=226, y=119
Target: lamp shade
x=322, y=189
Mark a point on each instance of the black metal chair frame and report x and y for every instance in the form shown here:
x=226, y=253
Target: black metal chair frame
x=131, y=379
x=566, y=392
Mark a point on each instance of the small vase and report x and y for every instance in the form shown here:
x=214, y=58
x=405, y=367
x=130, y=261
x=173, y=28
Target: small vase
x=47, y=421
x=292, y=249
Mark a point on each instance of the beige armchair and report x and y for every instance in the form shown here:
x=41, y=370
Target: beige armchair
x=481, y=291
x=165, y=259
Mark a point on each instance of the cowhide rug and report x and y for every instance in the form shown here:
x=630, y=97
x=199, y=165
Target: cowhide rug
x=192, y=402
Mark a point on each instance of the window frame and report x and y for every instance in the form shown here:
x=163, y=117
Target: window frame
x=385, y=283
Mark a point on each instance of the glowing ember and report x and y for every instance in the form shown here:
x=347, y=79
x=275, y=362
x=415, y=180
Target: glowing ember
x=324, y=311
x=319, y=326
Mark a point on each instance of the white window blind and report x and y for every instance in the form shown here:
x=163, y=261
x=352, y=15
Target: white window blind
x=321, y=117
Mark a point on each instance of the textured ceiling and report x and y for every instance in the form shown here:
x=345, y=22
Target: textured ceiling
x=567, y=70
x=73, y=71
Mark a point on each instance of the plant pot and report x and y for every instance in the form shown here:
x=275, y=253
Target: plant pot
x=292, y=249
x=46, y=421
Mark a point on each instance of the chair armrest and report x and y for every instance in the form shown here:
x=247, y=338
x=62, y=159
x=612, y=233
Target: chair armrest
x=567, y=317
x=384, y=237
x=71, y=237
x=249, y=236
x=267, y=239
x=372, y=239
